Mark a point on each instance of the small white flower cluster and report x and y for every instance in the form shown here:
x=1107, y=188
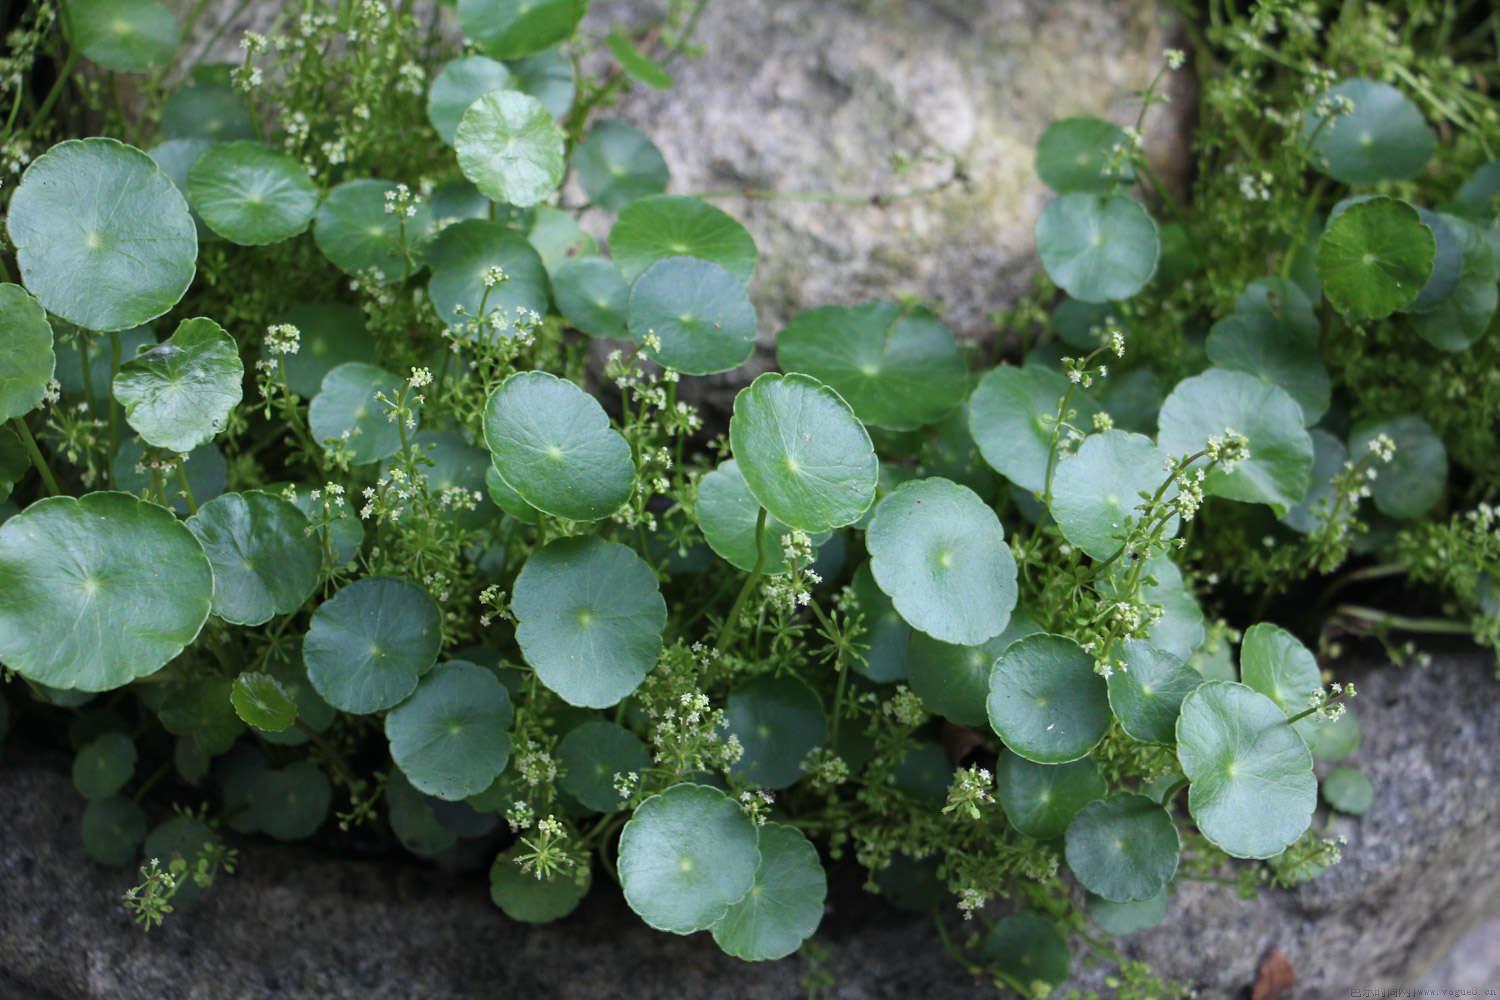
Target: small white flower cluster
x=626, y=783
x=520, y=816
x=411, y=79
x=1175, y=58
x=905, y=707
x=1383, y=447
x=825, y=768
x=1103, y=421
x=1189, y=495
x=420, y=377
x=1228, y=449
x=535, y=765
x=401, y=201
x=494, y=275
x=792, y=589
x=283, y=339
x=492, y=600
x=1325, y=704
x=970, y=791
x=756, y=804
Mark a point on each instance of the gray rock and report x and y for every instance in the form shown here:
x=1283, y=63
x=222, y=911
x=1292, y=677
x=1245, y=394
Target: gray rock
x=1420, y=869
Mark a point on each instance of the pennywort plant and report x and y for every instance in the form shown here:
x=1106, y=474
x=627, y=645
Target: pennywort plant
x=353, y=481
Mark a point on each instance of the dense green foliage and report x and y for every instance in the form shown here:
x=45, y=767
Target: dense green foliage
x=353, y=483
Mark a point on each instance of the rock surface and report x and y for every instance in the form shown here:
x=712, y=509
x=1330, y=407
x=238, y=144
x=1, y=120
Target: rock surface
x=1420, y=869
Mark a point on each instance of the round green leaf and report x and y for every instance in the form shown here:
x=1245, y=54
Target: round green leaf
x=727, y=514
x=1028, y=952
x=260, y=701
x=650, y=229
x=103, y=766
x=553, y=444
x=1046, y=702
x=532, y=900
x=940, y=553
x=265, y=561
x=1252, y=789
x=1275, y=353
x=923, y=773
x=1040, y=800
x=99, y=590
x=353, y=229
x=450, y=737
x=802, y=452
x=461, y=254
x=699, y=312
x=589, y=618
x=1279, y=469
x=129, y=36
x=1349, y=791
x=1384, y=138
x=290, y=803
x=1073, y=154
x=617, y=164
x=1180, y=630
x=1329, y=455
x=368, y=644
x=1461, y=318
x=899, y=370
x=506, y=498
x=558, y=238
x=953, y=680
x=1099, y=486
x=178, y=395
x=1281, y=301
x=547, y=76
x=26, y=358
x=451, y=466
x=591, y=754
x=103, y=237
x=592, y=296
x=346, y=414
x=784, y=905
x=1275, y=663
x=332, y=333
x=1129, y=917
x=1123, y=848
x=206, y=110
x=1447, y=261
x=1375, y=258
x=459, y=84
x=251, y=194
x=413, y=819
x=778, y=720
x=1146, y=693
x=112, y=830
x=1012, y=414
x=1098, y=248
x=510, y=147
x=887, y=635
x=686, y=856
x=510, y=28
x=1414, y=480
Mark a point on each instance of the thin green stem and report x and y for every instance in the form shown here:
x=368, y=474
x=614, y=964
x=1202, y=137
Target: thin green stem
x=37, y=458
x=1402, y=623
x=187, y=489
x=731, y=621
x=114, y=424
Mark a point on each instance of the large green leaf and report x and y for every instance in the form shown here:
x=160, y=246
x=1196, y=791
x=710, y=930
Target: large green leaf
x=27, y=360
x=1074, y=154
x=1275, y=352
x=553, y=445
x=290, y=803
x=353, y=229
x=589, y=618
x=99, y=590
x=1146, y=694
x=1123, y=848
x=510, y=147
x=129, y=36
x=698, y=313
x=784, y=905
x=590, y=755
x=1252, y=789
x=650, y=229
x=103, y=237
x=1383, y=138
x=179, y=394
x=1012, y=414
x=1046, y=702
x=1415, y=479
x=525, y=897
x=1040, y=800
x=898, y=369
x=346, y=414
x=506, y=29
x=265, y=561
x=1097, y=247
x=332, y=333
x=1464, y=315
x=687, y=856
x=802, y=452
x=778, y=720
x=457, y=85
x=727, y=515
x=617, y=164
x=251, y=194
x=592, y=295
x=450, y=737
x=1096, y=488
x=954, y=680
x=367, y=645
x=461, y=255
x=940, y=553
x=1375, y=257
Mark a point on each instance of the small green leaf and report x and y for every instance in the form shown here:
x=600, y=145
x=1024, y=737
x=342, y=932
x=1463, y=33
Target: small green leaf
x=522, y=896
x=1040, y=800
x=1375, y=258
x=251, y=194
x=103, y=765
x=1464, y=315
x=265, y=562
x=459, y=84
x=128, y=36
x=1252, y=789
x=1275, y=663
x=450, y=737
x=99, y=590
x=558, y=238
x=547, y=76
x=179, y=394
x=1012, y=414
x=590, y=755
x=617, y=164
x=506, y=29
x=687, y=856
x=778, y=721
x=1277, y=354
x=460, y=257
x=1414, y=481
x=553, y=445
x=898, y=370
x=1349, y=791
x=1129, y=917
x=1046, y=702
x=1098, y=248
x=636, y=64
x=260, y=701
x=698, y=312
x=592, y=296
x=1123, y=848
x=353, y=229
x=650, y=229
x=802, y=452
x=886, y=632
x=103, y=237
x=1384, y=138
x=727, y=514
x=1146, y=693
x=1074, y=154
x=940, y=553
x=346, y=414
x=1279, y=468
x=112, y=830
x=184, y=838
x=26, y=357
x=290, y=803
x=784, y=905
x=589, y=618
x=1099, y=486
x=208, y=110
x=510, y=147
x=368, y=644
x=1029, y=953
